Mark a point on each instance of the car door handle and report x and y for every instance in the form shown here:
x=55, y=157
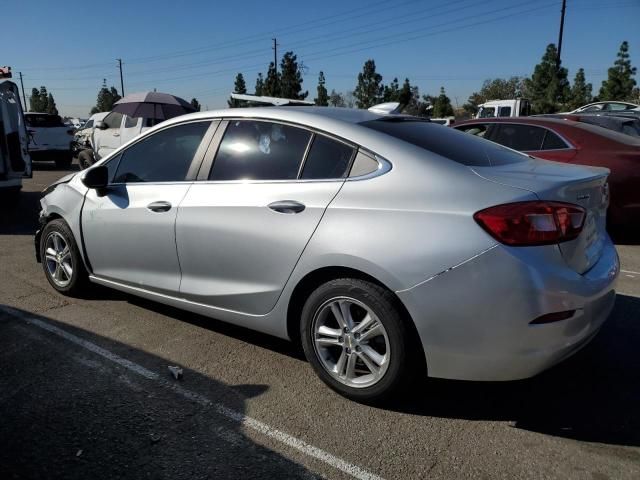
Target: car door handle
x=159, y=206
x=287, y=206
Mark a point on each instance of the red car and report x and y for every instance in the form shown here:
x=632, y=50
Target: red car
x=575, y=142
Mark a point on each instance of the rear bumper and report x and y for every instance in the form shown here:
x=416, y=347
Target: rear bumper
x=474, y=320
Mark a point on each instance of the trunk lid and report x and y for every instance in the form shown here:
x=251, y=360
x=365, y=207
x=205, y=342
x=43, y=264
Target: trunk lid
x=584, y=186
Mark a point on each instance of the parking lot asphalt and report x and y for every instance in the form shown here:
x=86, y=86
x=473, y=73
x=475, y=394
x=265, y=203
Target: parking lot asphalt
x=85, y=392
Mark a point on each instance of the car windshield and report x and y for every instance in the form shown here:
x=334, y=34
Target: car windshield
x=447, y=142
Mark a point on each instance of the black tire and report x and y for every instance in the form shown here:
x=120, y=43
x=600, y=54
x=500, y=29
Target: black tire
x=78, y=279
x=64, y=162
x=385, y=307
x=85, y=159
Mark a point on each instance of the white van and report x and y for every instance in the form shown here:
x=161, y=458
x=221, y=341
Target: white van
x=117, y=129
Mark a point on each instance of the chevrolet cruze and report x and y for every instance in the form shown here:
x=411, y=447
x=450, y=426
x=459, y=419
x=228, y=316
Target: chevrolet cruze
x=387, y=246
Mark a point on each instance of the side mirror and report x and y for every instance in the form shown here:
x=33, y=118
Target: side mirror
x=96, y=178
x=100, y=125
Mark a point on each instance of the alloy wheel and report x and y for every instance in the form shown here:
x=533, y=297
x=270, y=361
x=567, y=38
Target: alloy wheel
x=351, y=342
x=58, y=259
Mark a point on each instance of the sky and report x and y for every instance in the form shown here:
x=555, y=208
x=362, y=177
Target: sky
x=194, y=48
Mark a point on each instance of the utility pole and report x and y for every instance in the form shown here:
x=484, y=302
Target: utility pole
x=121, y=80
x=24, y=98
x=275, y=60
x=564, y=6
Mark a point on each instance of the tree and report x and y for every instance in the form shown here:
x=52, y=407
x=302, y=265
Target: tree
x=349, y=99
x=442, y=105
x=35, y=102
x=322, y=100
x=580, y=92
x=336, y=99
x=259, y=85
x=405, y=94
x=51, y=105
x=290, y=85
x=548, y=88
x=391, y=92
x=271, y=86
x=195, y=104
x=369, y=89
x=620, y=82
x=239, y=86
x=494, y=89
x=106, y=98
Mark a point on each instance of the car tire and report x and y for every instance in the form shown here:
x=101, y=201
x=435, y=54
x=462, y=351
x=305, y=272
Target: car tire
x=64, y=162
x=61, y=260
x=85, y=159
x=358, y=299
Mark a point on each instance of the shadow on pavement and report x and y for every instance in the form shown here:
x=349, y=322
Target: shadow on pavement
x=593, y=396
x=70, y=413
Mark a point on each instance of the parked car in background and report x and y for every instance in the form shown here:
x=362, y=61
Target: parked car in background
x=49, y=138
x=15, y=162
x=116, y=129
x=520, y=107
x=575, y=142
x=606, y=107
x=629, y=125
x=355, y=233
x=82, y=144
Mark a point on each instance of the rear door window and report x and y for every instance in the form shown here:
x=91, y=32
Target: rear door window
x=327, y=158
x=524, y=138
x=504, y=112
x=256, y=150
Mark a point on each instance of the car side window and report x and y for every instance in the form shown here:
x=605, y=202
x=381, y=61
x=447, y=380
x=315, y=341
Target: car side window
x=504, y=112
x=255, y=150
x=327, y=159
x=164, y=156
x=523, y=138
x=477, y=129
x=113, y=120
x=553, y=142
x=89, y=124
x=130, y=122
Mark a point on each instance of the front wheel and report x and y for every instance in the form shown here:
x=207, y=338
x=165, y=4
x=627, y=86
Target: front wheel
x=354, y=336
x=61, y=259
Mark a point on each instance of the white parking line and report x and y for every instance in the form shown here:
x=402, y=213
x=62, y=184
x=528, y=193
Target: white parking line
x=630, y=271
x=230, y=414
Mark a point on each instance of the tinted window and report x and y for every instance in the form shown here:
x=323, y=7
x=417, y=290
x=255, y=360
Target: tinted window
x=130, y=122
x=327, y=159
x=553, y=142
x=113, y=120
x=447, y=142
x=89, y=124
x=252, y=150
x=504, y=112
x=519, y=137
x=618, y=106
x=592, y=108
x=163, y=157
x=43, y=121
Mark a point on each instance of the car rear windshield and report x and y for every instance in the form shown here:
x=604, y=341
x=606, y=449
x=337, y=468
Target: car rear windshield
x=447, y=142
x=43, y=121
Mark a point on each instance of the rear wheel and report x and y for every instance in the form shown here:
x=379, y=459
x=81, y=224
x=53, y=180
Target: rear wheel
x=354, y=336
x=61, y=259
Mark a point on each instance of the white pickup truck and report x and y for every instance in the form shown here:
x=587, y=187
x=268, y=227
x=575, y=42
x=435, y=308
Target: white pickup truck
x=49, y=138
x=15, y=162
x=117, y=129
x=504, y=108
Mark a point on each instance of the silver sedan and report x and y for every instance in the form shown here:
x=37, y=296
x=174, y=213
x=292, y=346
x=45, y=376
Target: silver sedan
x=388, y=246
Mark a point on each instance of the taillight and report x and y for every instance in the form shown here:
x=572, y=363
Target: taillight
x=532, y=223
